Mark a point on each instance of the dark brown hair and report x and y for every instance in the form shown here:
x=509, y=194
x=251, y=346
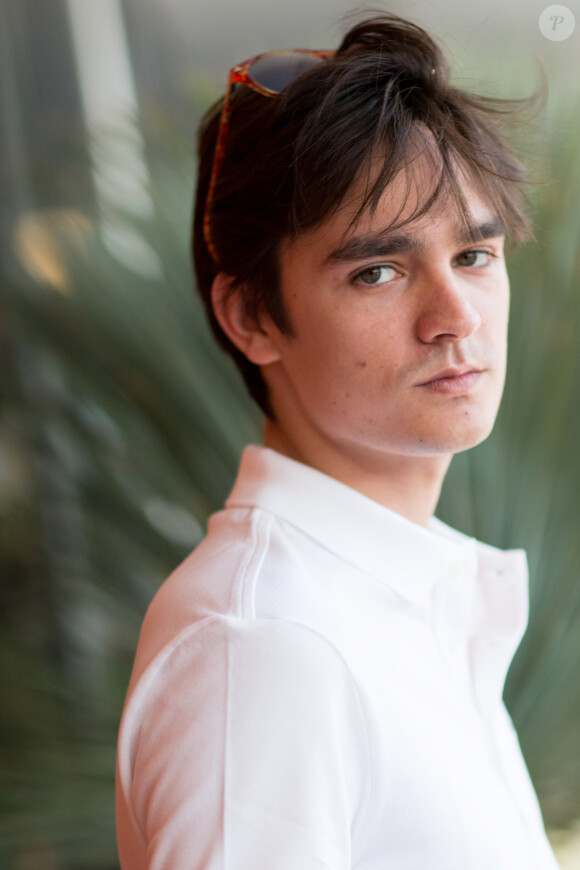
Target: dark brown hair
x=290, y=161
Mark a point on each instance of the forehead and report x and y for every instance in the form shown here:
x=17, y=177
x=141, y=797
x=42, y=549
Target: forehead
x=414, y=212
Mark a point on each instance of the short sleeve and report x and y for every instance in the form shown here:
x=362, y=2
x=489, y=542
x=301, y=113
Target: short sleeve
x=244, y=749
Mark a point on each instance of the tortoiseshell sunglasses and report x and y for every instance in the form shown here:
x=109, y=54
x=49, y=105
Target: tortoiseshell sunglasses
x=267, y=74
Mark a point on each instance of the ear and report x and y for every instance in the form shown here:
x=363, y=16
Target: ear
x=255, y=337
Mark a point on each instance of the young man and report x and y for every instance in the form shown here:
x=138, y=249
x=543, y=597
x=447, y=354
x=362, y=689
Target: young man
x=319, y=685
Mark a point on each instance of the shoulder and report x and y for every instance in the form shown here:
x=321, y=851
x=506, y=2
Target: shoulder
x=250, y=564
x=205, y=583
x=268, y=657
x=261, y=674
x=246, y=684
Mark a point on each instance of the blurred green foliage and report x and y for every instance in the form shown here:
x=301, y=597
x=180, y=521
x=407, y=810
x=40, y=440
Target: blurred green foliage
x=121, y=429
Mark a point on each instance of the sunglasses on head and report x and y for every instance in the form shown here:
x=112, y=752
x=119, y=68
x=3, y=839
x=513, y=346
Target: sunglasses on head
x=267, y=74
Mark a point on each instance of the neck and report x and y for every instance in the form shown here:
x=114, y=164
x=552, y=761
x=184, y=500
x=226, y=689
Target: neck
x=407, y=484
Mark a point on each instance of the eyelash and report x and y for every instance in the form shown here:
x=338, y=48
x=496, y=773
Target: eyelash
x=486, y=251
x=358, y=277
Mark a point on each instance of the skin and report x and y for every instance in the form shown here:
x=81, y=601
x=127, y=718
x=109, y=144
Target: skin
x=378, y=318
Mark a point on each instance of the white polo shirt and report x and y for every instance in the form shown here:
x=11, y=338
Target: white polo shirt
x=319, y=687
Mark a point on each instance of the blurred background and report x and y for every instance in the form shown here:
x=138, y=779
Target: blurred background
x=121, y=424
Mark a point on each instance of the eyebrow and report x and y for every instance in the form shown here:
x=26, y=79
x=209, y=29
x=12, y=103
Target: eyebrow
x=387, y=244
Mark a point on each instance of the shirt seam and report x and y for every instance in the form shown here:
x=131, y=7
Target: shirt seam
x=243, y=587
x=366, y=801
x=172, y=648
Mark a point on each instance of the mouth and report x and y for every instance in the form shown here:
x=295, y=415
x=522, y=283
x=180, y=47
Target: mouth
x=453, y=381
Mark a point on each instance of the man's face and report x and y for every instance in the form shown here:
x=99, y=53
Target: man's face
x=399, y=342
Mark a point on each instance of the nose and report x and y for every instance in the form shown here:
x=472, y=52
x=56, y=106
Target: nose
x=447, y=311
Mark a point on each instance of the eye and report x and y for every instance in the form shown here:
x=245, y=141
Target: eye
x=374, y=275
x=475, y=258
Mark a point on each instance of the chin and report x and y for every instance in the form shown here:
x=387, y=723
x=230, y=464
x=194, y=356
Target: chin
x=464, y=435
x=471, y=439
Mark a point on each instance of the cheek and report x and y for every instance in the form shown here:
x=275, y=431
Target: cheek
x=325, y=339
x=350, y=353
x=503, y=306
x=357, y=359
x=495, y=315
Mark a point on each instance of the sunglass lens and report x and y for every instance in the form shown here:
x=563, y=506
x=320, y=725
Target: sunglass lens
x=276, y=71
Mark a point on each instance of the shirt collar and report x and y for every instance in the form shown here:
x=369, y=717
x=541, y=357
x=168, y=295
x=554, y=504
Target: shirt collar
x=378, y=541
x=408, y=558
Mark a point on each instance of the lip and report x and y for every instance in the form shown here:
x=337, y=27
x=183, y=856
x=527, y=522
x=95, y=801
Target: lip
x=453, y=381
